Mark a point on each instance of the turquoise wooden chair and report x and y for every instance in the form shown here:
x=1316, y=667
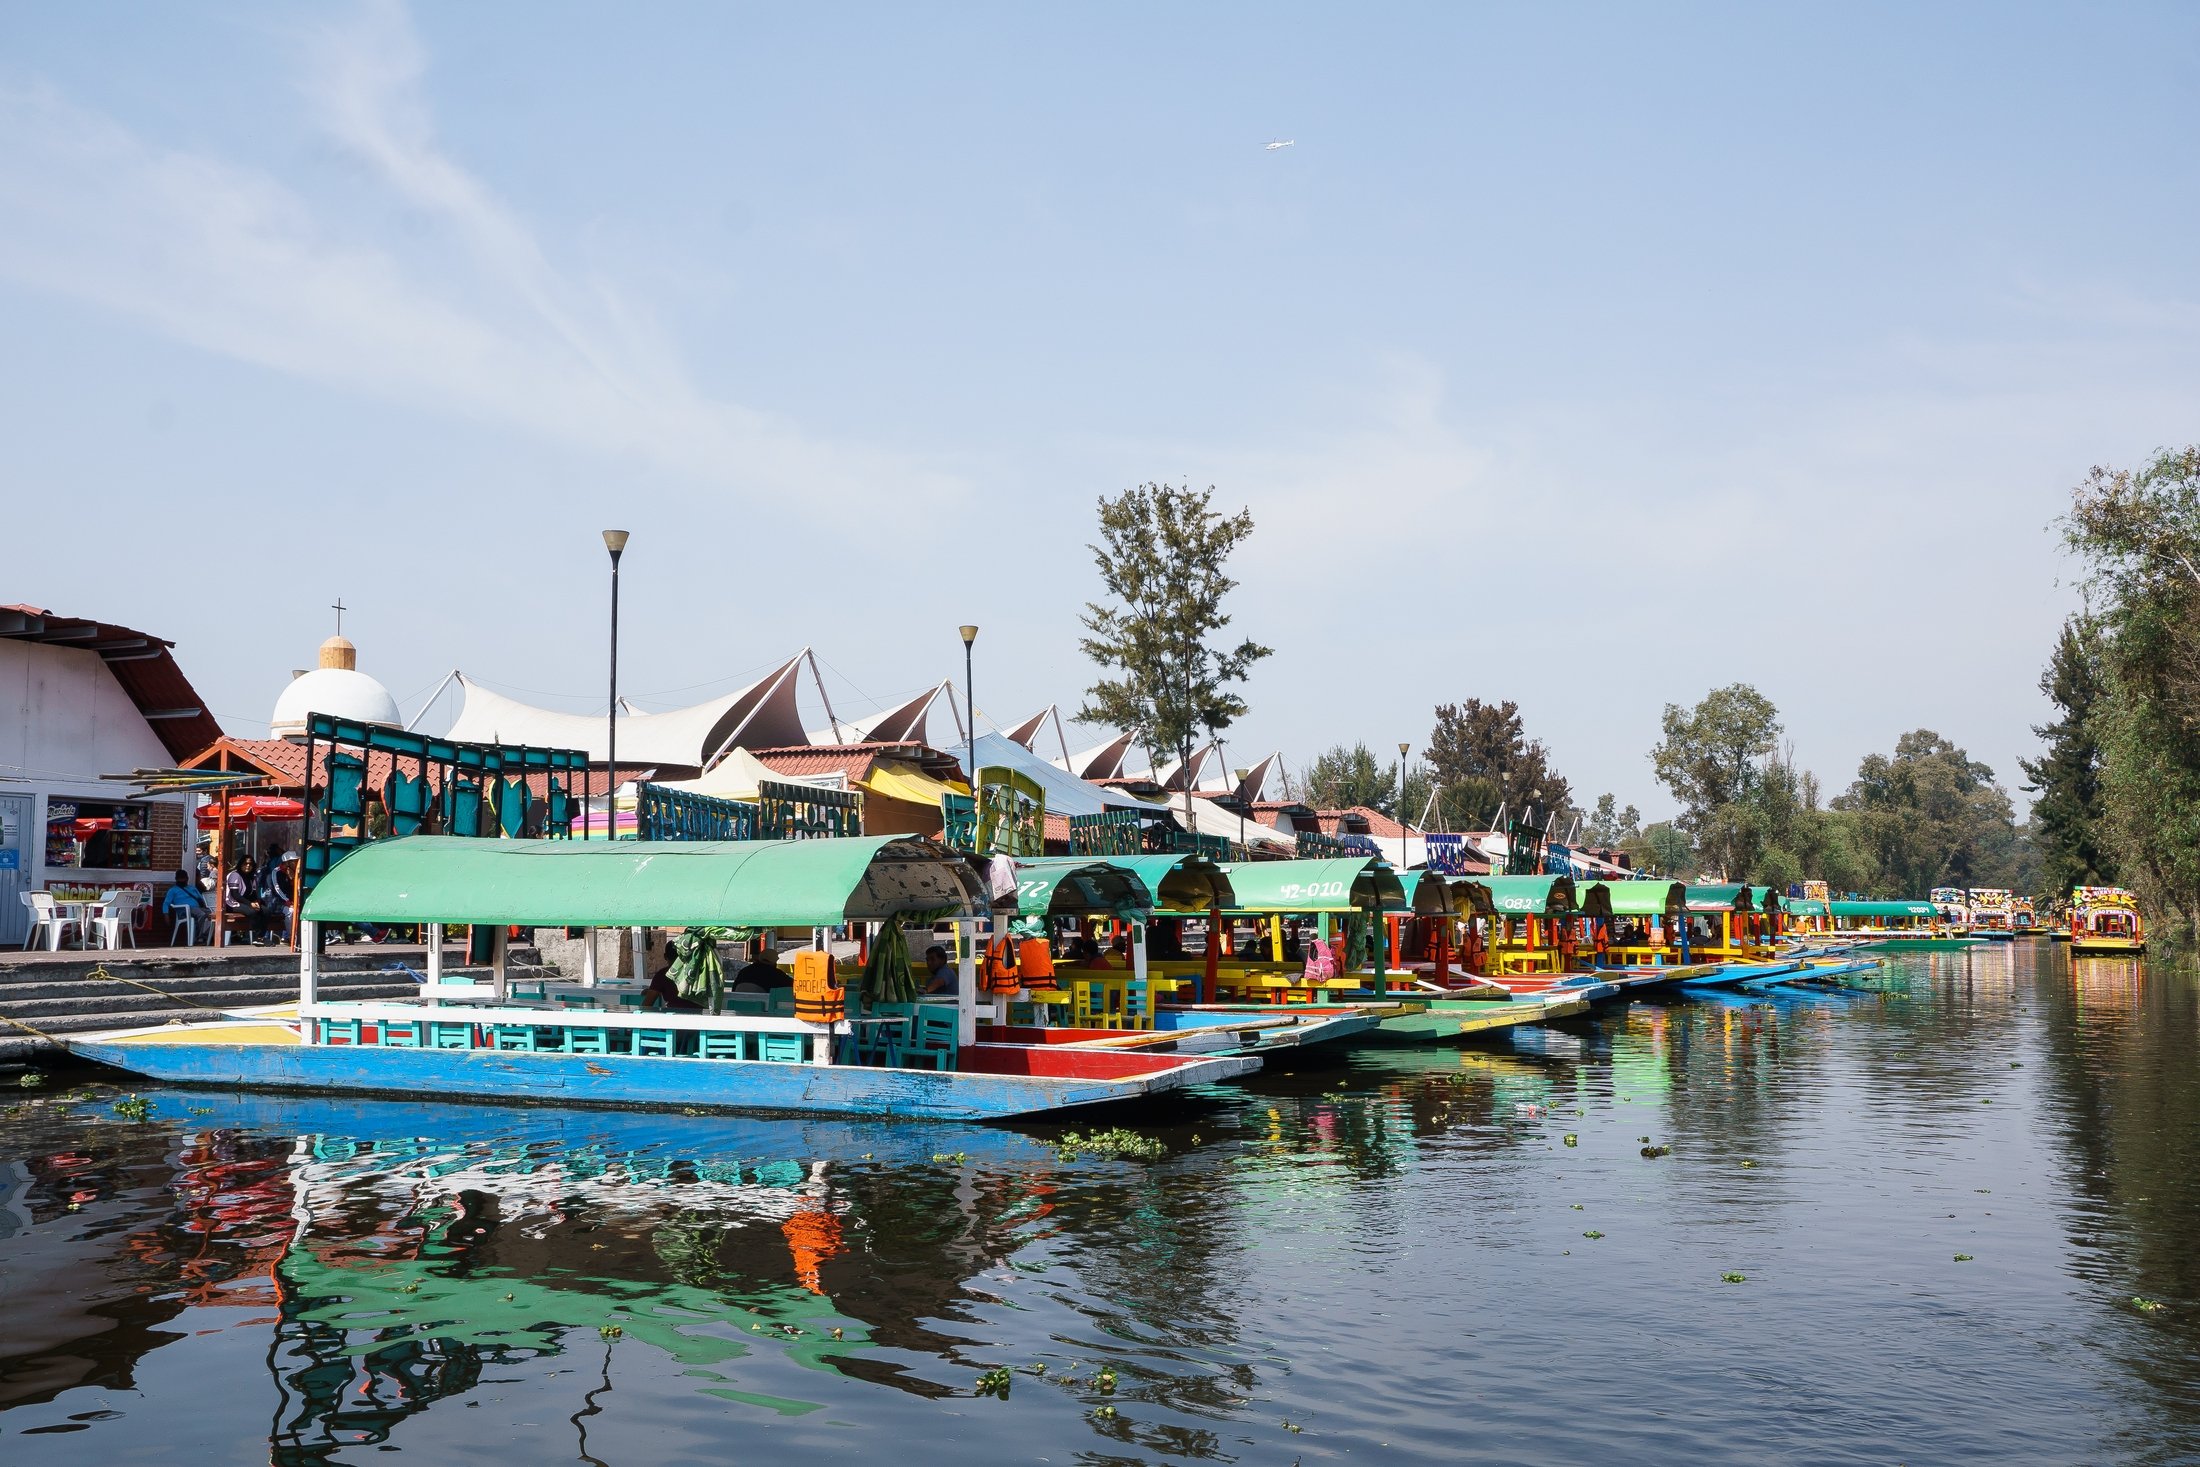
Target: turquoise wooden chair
x=450, y=1036
x=515, y=1036
x=401, y=1036
x=587, y=1041
x=719, y=1044
x=338, y=1031
x=932, y=1041
x=783, y=1049
x=664, y=1042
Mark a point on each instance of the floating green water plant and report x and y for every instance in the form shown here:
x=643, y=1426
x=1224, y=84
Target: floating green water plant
x=1116, y=1142
x=133, y=1107
x=1572, y=1139
x=610, y=1331
x=1654, y=1152
x=1963, y=1258
x=2145, y=1305
x=1592, y=1233
x=1735, y=1278
x=30, y=1079
x=995, y=1382
x=1103, y=1380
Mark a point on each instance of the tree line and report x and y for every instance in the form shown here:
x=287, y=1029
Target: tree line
x=1926, y=815
x=2117, y=788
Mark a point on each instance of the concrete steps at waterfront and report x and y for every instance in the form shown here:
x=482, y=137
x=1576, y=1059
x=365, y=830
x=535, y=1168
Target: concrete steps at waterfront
x=64, y=994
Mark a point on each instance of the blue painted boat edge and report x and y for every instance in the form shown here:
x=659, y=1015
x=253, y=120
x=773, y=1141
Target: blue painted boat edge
x=631, y=1082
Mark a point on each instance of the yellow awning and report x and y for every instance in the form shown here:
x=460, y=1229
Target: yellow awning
x=897, y=780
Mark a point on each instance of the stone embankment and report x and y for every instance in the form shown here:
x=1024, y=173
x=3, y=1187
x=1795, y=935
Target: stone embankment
x=65, y=993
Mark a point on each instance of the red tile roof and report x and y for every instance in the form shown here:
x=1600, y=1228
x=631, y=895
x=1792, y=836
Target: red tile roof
x=1378, y=824
x=855, y=760
x=143, y=664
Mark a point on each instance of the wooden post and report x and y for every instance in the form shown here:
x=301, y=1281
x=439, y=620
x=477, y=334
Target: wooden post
x=966, y=980
x=309, y=970
x=1208, y=979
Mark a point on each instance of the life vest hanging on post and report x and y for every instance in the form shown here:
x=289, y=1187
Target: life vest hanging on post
x=1001, y=975
x=818, y=996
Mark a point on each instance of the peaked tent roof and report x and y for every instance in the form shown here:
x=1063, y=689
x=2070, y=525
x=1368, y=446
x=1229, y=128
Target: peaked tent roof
x=1066, y=794
x=1102, y=761
x=902, y=724
x=1027, y=732
x=758, y=716
x=1255, y=783
x=736, y=777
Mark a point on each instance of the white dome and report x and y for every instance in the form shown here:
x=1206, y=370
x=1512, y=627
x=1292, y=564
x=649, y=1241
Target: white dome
x=338, y=692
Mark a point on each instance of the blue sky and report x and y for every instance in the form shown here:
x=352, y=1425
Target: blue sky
x=1590, y=357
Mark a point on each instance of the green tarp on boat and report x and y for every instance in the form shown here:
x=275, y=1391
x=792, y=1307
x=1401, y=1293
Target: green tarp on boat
x=1179, y=883
x=1336, y=884
x=627, y=883
x=1530, y=896
x=1639, y=898
x=1916, y=911
x=1079, y=886
x=1720, y=899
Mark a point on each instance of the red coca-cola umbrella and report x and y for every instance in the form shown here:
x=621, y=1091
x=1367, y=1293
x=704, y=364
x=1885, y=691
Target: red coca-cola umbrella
x=250, y=809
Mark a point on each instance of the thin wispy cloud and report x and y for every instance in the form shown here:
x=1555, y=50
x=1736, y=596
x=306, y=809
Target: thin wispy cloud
x=227, y=257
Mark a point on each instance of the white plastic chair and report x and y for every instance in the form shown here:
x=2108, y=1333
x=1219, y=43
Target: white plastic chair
x=186, y=921
x=45, y=918
x=116, y=919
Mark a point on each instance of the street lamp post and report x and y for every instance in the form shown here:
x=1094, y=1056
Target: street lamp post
x=615, y=542
x=1402, y=852
x=970, y=730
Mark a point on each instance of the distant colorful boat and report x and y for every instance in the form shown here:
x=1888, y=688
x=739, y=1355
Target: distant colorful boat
x=1897, y=926
x=1989, y=909
x=2105, y=921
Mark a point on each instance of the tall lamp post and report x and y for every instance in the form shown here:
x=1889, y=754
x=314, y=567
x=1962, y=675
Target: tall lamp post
x=1402, y=852
x=615, y=542
x=970, y=731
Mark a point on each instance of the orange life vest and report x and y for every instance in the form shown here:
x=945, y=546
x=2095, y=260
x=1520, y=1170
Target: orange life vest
x=1000, y=966
x=818, y=996
x=1034, y=960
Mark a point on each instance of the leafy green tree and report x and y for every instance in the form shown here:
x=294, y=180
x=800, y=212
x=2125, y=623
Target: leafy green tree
x=2138, y=532
x=2068, y=817
x=1481, y=758
x=1342, y=777
x=1663, y=848
x=1710, y=759
x=1929, y=816
x=1162, y=557
x=1611, y=827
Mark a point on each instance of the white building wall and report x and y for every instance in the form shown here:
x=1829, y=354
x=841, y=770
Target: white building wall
x=64, y=721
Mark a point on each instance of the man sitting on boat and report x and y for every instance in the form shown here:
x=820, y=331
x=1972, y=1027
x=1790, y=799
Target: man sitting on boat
x=939, y=973
x=762, y=973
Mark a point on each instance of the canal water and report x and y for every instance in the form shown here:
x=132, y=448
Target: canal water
x=1952, y=1218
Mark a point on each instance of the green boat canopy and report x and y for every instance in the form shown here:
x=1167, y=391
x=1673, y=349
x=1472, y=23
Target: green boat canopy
x=1337, y=884
x=1530, y=896
x=1078, y=886
x=1639, y=898
x=1803, y=906
x=1720, y=899
x=1178, y=883
x=622, y=883
x=1766, y=899
x=1921, y=911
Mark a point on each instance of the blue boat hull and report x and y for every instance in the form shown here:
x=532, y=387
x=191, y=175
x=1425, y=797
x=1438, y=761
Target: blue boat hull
x=633, y=1081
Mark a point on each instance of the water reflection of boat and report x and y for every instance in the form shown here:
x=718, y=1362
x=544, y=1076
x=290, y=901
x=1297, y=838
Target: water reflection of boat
x=430, y=1243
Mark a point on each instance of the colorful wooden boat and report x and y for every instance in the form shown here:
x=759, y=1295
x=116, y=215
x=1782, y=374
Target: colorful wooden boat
x=1989, y=909
x=2105, y=921
x=478, y=1040
x=1898, y=926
